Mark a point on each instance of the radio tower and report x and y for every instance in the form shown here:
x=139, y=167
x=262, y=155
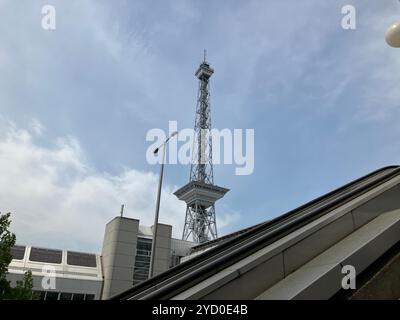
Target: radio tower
x=200, y=193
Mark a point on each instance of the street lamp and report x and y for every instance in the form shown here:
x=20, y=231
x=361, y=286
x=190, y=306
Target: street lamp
x=153, y=244
x=393, y=35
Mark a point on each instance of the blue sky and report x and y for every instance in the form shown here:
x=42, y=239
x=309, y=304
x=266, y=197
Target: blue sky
x=76, y=104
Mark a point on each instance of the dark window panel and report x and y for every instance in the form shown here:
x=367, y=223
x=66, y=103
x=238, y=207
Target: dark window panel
x=18, y=252
x=78, y=296
x=143, y=252
x=65, y=296
x=141, y=267
x=81, y=259
x=45, y=255
x=144, y=244
x=89, y=297
x=142, y=259
x=51, y=295
x=141, y=272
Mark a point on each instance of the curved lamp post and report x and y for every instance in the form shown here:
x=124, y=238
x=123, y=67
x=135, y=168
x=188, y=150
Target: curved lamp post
x=393, y=35
x=153, y=243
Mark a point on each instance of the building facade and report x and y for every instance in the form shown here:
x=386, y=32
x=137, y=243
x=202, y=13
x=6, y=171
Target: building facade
x=123, y=263
x=58, y=274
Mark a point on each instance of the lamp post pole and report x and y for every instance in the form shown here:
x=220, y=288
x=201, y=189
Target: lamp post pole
x=155, y=226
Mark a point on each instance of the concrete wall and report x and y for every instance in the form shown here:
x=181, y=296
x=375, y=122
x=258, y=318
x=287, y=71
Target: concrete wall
x=118, y=255
x=163, y=248
x=119, y=252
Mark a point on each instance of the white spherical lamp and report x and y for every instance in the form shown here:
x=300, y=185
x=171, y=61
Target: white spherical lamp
x=393, y=35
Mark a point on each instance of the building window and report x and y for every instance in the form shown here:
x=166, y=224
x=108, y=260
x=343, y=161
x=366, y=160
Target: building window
x=144, y=244
x=89, y=296
x=143, y=252
x=142, y=260
x=18, y=252
x=81, y=259
x=45, y=255
x=78, y=296
x=51, y=295
x=65, y=296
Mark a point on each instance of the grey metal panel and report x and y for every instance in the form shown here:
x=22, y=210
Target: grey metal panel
x=251, y=283
x=385, y=202
x=306, y=249
x=373, y=250
x=326, y=286
x=321, y=277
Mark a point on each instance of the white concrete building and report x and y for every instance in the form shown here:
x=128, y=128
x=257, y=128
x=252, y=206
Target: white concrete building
x=58, y=274
x=124, y=262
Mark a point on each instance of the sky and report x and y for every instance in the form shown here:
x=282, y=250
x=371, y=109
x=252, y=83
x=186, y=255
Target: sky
x=77, y=102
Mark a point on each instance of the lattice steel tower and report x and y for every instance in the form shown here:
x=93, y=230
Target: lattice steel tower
x=200, y=193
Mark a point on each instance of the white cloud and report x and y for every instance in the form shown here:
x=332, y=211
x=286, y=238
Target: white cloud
x=58, y=200
x=226, y=217
x=37, y=127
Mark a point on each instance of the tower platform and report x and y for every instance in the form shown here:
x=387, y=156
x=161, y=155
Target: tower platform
x=203, y=193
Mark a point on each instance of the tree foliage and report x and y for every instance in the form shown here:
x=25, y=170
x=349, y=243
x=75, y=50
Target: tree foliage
x=23, y=288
